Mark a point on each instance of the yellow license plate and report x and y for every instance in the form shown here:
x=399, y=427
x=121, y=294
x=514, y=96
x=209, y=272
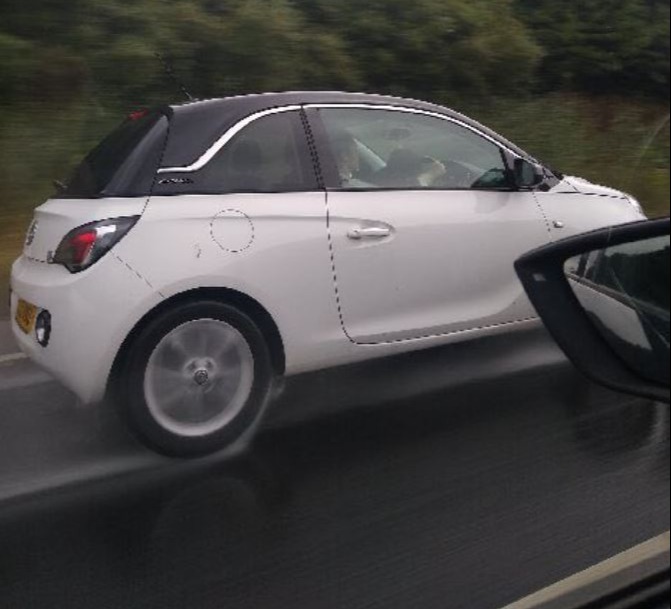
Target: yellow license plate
x=26, y=314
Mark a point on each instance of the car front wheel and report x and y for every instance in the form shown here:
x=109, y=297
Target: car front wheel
x=195, y=380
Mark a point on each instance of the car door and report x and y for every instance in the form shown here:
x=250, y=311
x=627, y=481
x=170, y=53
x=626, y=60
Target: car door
x=252, y=219
x=423, y=224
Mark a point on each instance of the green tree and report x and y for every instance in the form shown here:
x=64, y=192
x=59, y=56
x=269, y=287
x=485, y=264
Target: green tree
x=601, y=46
x=432, y=47
x=253, y=45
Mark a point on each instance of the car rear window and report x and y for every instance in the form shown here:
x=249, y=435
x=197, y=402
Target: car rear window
x=124, y=163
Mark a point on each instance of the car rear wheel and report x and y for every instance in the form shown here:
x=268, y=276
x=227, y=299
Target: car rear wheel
x=196, y=379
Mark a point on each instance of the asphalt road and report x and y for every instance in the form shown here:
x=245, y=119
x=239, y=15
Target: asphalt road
x=429, y=486
x=7, y=344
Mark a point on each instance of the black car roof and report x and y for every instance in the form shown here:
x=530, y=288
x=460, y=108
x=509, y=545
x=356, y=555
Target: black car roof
x=195, y=126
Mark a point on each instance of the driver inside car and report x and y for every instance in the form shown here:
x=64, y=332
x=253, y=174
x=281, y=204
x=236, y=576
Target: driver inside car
x=407, y=169
x=346, y=153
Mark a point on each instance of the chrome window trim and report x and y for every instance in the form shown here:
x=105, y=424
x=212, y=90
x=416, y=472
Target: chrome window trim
x=407, y=110
x=212, y=151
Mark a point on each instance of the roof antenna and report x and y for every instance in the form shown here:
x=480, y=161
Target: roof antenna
x=167, y=66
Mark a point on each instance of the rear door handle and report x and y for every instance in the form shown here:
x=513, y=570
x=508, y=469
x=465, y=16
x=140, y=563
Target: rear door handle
x=369, y=232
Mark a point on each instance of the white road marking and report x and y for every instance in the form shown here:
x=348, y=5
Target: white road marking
x=659, y=546
x=12, y=357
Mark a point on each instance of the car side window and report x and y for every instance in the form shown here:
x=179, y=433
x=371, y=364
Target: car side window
x=269, y=155
x=387, y=149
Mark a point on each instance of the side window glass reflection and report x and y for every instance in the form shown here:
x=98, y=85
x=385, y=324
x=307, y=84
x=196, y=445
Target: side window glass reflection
x=385, y=149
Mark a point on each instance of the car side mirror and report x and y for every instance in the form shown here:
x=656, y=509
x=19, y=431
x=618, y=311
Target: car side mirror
x=526, y=174
x=604, y=297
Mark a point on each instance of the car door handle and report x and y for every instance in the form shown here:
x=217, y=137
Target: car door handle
x=369, y=232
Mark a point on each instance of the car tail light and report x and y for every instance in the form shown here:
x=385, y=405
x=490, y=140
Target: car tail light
x=84, y=246
x=138, y=114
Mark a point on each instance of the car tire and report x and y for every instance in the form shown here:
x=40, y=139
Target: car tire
x=195, y=379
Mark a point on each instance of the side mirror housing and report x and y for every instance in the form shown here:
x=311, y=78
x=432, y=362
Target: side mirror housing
x=604, y=297
x=527, y=175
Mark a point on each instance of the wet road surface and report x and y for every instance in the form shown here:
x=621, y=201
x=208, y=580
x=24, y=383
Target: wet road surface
x=469, y=496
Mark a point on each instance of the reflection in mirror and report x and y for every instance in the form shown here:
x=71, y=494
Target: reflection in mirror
x=625, y=291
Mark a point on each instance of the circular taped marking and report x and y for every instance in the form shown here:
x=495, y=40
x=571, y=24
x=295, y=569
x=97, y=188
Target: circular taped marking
x=232, y=230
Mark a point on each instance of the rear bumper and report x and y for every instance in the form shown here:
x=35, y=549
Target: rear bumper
x=92, y=313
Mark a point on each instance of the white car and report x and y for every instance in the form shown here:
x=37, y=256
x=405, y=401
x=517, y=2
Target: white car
x=203, y=250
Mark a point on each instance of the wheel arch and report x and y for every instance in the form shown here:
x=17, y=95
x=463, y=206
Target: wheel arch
x=246, y=304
